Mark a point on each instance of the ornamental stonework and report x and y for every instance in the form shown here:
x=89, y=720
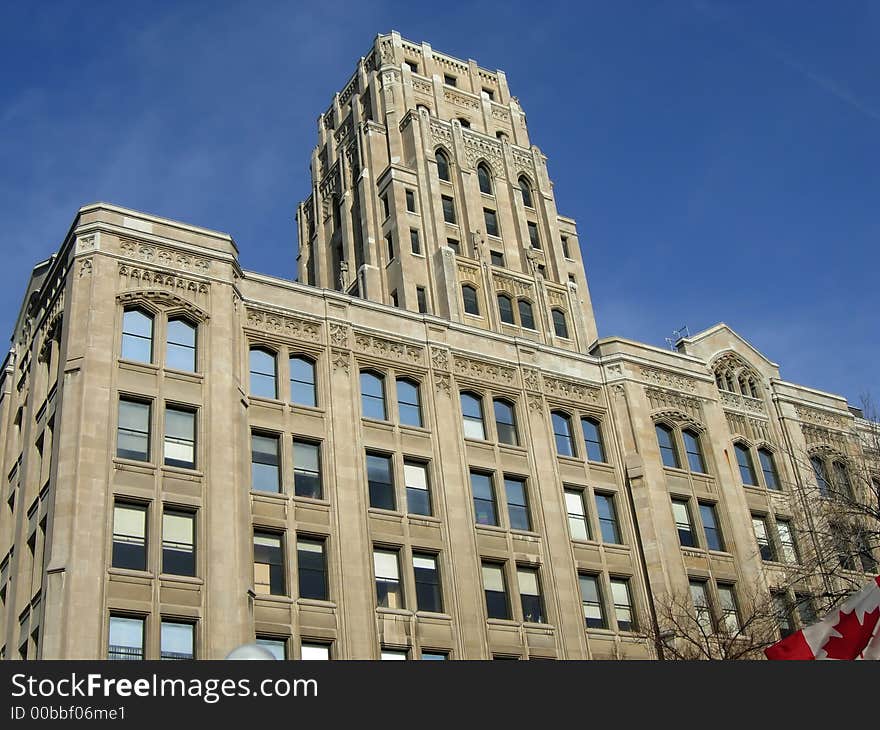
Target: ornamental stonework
x=477, y=148
x=665, y=400
x=389, y=349
x=531, y=379
x=669, y=379
x=441, y=133
x=741, y=402
x=442, y=383
x=522, y=161
x=512, y=286
x=281, y=324
x=467, y=272
x=820, y=418
x=818, y=436
x=134, y=277
x=163, y=256
x=338, y=334
x=439, y=358
x=753, y=429
x=563, y=388
x=459, y=99
x=483, y=370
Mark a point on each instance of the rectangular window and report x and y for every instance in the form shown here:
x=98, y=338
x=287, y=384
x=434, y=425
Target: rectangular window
x=178, y=542
x=491, y=219
x=422, y=299
x=683, y=524
x=133, y=434
x=312, y=568
x=137, y=336
x=269, y=564
x=180, y=348
x=729, y=610
x=413, y=66
x=394, y=302
x=126, y=638
x=607, y=518
x=714, y=540
x=517, y=503
x=806, y=611
x=435, y=655
x=454, y=245
x=130, y=536
x=411, y=201
x=389, y=593
x=307, y=469
x=534, y=240
x=489, y=93
x=278, y=647
x=177, y=640
x=314, y=651
x=565, y=249
x=497, y=258
x=783, y=614
x=623, y=610
x=414, y=242
x=702, y=610
x=180, y=437
x=448, y=209
x=578, y=526
x=386, y=209
x=765, y=547
x=591, y=598
x=484, y=498
x=530, y=595
x=788, y=548
x=389, y=242
x=265, y=475
x=380, y=480
x=450, y=80
x=394, y=655
x=495, y=589
x=427, y=579
x=418, y=496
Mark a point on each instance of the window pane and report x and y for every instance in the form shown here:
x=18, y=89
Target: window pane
x=559, y=324
x=178, y=640
x=442, y=165
x=418, y=501
x=434, y=655
x=181, y=346
x=484, y=499
x=427, y=580
x=746, y=467
x=373, y=396
x=530, y=595
x=302, y=381
x=505, y=422
x=126, y=638
x=485, y=179
x=577, y=519
x=562, y=434
x=129, y=537
x=526, y=192
x=265, y=475
x=408, y=403
x=388, y=591
x=821, y=474
x=307, y=469
x=278, y=647
x=137, y=336
x=622, y=605
x=765, y=548
x=534, y=240
x=683, y=523
x=469, y=296
x=178, y=543
x=472, y=414
x=505, y=309
x=700, y=598
x=394, y=655
x=526, y=318
x=694, y=452
x=380, y=481
x=591, y=598
x=768, y=466
x=495, y=590
x=180, y=438
x=517, y=504
x=133, y=436
x=786, y=541
x=448, y=210
x=262, y=371
x=491, y=222
x=593, y=440
x=710, y=527
x=268, y=564
x=607, y=518
x=729, y=612
x=312, y=568
x=314, y=652
x=668, y=451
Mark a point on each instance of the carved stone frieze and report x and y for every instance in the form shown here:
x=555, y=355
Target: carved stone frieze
x=163, y=256
x=442, y=383
x=281, y=324
x=564, y=388
x=531, y=379
x=439, y=358
x=670, y=400
x=338, y=334
x=382, y=347
x=341, y=359
x=669, y=380
x=819, y=417
x=482, y=369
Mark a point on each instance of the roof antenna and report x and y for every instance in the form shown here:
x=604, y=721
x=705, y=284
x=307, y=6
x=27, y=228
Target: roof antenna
x=677, y=335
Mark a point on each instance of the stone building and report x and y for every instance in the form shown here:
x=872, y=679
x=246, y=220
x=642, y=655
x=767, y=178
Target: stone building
x=420, y=449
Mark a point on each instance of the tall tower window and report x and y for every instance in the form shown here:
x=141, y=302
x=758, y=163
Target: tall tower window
x=526, y=190
x=526, y=318
x=448, y=209
x=560, y=326
x=491, y=219
x=442, y=165
x=469, y=295
x=485, y=179
x=534, y=239
x=505, y=309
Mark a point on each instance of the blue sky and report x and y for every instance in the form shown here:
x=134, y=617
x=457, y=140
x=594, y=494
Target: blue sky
x=721, y=158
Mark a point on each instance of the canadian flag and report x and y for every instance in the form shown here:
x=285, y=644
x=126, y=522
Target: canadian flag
x=850, y=632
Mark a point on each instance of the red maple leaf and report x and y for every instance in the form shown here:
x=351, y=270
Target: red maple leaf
x=854, y=635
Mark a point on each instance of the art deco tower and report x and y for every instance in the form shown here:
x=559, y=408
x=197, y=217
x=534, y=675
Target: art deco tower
x=428, y=194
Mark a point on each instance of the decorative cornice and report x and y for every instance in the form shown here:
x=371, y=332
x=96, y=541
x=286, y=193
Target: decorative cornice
x=741, y=402
x=282, y=324
x=668, y=379
x=135, y=276
x=382, y=347
x=513, y=286
x=481, y=369
x=670, y=400
x=820, y=418
x=564, y=388
x=164, y=299
x=163, y=256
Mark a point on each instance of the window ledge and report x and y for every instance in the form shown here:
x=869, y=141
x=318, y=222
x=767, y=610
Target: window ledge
x=720, y=554
x=138, y=366
x=272, y=598
x=376, y=422
x=415, y=430
x=678, y=471
x=380, y=511
x=525, y=533
x=263, y=401
x=133, y=465
x=271, y=496
x=428, y=520
x=539, y=625
x=513, y=448
x=130, y=573
x=186, y=375
x=599, y=632
x=384, y=611
x=490, y=528
x=187, y=579
x=570, y=459
x=434, y=615
x=317, y=410
x=316, y=602
x=311, y=501
x=182, y=471
x=509, y=622
x=586, y=543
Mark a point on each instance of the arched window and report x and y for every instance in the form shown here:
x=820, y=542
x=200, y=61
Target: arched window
x=668, y=449
x=694, y=451
x=746, y=465
x=505, y=421
x=472, y=416
x=302, y=381
x=469, y=295
x=263, y=370
x=526, y=190
x=408, y=402
x=442, y=164
x=505, y=309
x=137, y=335
x=485, y=178
x=820, y=471
x=593, y=439
x=841, y=480
x=562, y=433
x=526, y=318
x=373, y=396
x=560, y=326
x=180, y=346
x=768, y=466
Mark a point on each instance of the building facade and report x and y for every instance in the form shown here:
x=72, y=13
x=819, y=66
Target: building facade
x=419, y=450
